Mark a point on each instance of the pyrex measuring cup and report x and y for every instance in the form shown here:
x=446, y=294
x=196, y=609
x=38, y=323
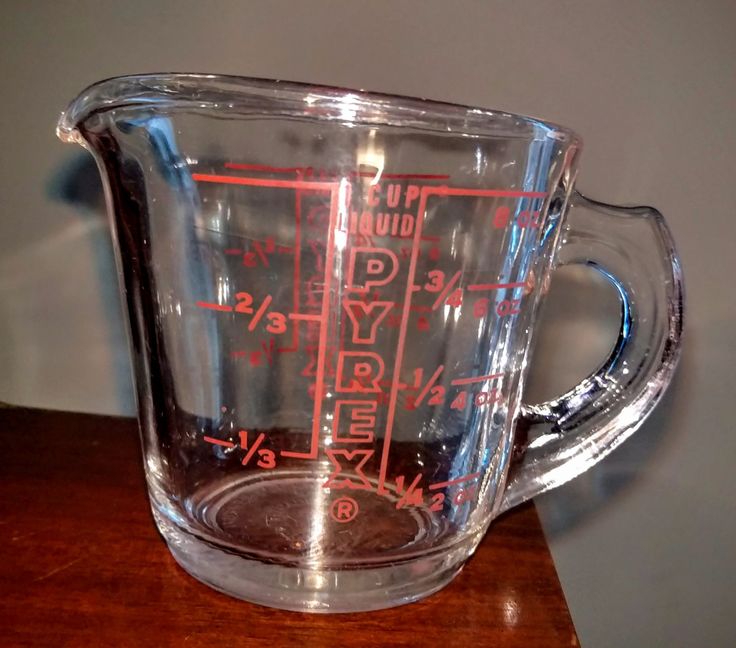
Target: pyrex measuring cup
x=332, y=297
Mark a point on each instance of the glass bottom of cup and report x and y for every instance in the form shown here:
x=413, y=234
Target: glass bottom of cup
x=409, y=559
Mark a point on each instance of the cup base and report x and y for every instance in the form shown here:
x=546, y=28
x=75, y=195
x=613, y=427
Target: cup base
x=314, y=590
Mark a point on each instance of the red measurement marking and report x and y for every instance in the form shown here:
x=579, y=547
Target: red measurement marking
x=412, y=494
x=496, y=286
x=259, y=313
x=306, y=317
x=459, y=480
x=464, y=495
x=220, y=442
x=508, y=307
x=253, y=448
x=446, y=290
x=427, y=237
x=399, y=484
x=217, y=307
x=475, y=379
x=268, y=350
x=430, y=383
x=394, y=394
x=322, y=345
x=502, y=216
x=498, y=193
x=260, y=253
x=234, y=251
x=264, y=182
x=261, y=167
x=297, y=264
x=401, y=176
x=425, y=193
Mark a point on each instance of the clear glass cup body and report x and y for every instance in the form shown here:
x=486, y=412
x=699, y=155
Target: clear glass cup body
x=332, y=300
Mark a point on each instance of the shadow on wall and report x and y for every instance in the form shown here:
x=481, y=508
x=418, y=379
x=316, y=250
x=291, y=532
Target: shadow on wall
x=577, y=329
x=577, y=501
x=77, y=182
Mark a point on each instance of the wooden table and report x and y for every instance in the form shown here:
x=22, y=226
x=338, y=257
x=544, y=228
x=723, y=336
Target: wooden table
x=81, y=564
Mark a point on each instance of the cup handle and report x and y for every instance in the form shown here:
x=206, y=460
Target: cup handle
x=559, y=439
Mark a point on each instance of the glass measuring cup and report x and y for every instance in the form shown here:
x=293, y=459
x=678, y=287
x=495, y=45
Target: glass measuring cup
x=332, y=297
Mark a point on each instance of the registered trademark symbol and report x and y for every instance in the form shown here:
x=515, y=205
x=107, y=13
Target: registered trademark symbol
x=344, y=509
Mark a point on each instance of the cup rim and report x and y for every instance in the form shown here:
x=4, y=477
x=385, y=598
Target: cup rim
x=247, y=95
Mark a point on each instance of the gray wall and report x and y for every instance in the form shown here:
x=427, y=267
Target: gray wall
x=644, y=542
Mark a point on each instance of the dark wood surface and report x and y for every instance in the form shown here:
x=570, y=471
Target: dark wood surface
x=81, y=564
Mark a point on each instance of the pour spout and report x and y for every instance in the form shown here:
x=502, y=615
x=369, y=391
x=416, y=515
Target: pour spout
x=137, y=91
